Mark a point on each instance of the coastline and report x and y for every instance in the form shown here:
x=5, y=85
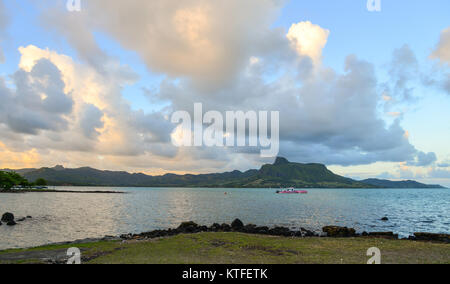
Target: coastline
x=219, y=235
x=59, y=191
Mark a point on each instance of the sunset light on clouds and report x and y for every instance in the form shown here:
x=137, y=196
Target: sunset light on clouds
x=97, y=87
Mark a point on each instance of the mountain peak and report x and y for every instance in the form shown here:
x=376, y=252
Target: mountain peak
x=58, y=168
x=281, y=161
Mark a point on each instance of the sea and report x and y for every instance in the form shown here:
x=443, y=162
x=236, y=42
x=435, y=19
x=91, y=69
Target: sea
x=60, y=217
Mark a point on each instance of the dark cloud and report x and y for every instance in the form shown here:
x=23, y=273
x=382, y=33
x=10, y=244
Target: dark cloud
x=38, y=101
x=403, y=69
x=326, y=117
x=444, y=165
x=425, y=159
x=91, y=120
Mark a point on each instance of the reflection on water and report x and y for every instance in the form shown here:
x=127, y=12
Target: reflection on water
x=64, y=217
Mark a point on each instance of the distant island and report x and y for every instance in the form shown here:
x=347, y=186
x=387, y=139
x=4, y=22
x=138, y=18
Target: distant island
x=281, y=173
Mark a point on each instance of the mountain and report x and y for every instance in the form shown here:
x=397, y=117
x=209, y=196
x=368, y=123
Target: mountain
x=398, y=184
x=281, y=173
x=21, y=171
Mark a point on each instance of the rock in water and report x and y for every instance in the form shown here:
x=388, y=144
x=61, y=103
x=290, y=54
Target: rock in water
x=8, y=217
x=385, y=219
x=11, y=223
x=237, y=224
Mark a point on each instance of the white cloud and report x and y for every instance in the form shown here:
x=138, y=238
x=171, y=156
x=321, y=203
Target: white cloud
x=38, y=102
x=194, y=38
x=83, y=110
x=442, y=51
x=308, y=40
x=224, y=63
x=442, y=54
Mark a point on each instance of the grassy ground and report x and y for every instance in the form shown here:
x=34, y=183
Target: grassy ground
x=236, y=248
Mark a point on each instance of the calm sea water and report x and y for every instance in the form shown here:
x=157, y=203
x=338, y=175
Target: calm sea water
x=61, y=217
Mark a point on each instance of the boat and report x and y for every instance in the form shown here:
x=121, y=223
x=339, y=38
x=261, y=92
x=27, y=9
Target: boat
x=292, y=191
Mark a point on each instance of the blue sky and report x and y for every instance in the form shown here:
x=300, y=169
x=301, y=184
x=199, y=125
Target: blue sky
x=371, y=36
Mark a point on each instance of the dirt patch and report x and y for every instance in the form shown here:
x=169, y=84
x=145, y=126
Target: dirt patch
x=218, y=243
x=57, y=256
x=276, y=252
x=44, y=256
x=100, y=254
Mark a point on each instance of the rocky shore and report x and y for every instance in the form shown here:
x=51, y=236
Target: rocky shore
x=59, y=191
x=238, y=226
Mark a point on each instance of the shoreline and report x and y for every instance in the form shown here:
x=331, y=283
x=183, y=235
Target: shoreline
x=58, y=191
x=187, y=228
x=238, y=243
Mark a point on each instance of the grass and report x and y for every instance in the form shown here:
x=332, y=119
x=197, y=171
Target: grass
x=237, y=248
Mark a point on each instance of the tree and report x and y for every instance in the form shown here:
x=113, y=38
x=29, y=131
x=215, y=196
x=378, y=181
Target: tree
x=6, y=182
x=41, y=182
x=10, y=179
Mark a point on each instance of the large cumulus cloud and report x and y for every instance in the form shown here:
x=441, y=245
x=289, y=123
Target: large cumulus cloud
x=226, y=63
x=207, y=41
x=57, y=106
x=38, y=102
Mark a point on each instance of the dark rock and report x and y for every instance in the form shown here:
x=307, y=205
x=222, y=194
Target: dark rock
x=188, y=227
x=237, y=225
x=263, y=230
x=307, y=233
x=1, y=223
x=215, y=228
x=225, y=228
x=339, y=232
x=7, y=217
x=21, y=219
x=29, y=217
x=250, y=229
x=281, y=231
x=432, y=237
x=384, y=235
x=11, y=223
x=385, y=219
x=126, y=236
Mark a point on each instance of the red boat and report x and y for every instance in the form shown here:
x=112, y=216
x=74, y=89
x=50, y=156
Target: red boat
x=292, y=191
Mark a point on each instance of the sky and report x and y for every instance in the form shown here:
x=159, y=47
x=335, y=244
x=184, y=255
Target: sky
x=365, y=92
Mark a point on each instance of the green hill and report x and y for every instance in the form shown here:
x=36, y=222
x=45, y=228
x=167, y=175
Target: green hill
x=281, y=173
x=398, y=184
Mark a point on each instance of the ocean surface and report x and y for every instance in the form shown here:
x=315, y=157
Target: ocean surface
x=59, y=217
